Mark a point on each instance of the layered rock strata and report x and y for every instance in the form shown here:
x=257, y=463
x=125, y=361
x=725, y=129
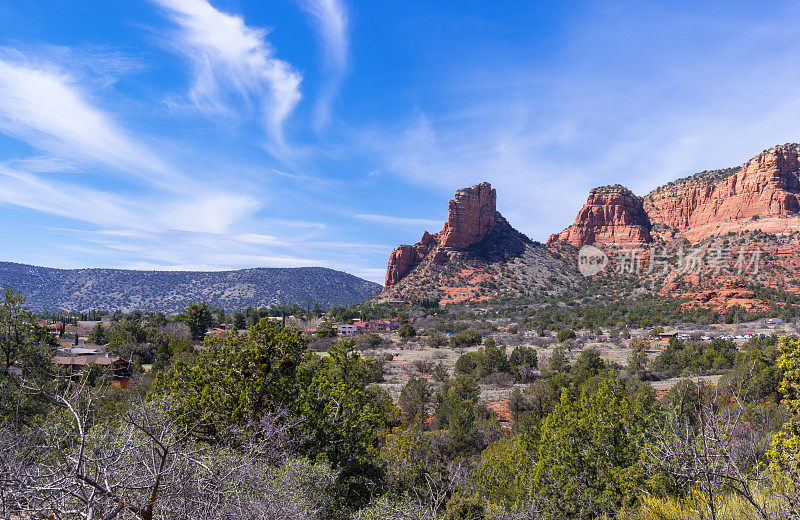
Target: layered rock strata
x=612, y=215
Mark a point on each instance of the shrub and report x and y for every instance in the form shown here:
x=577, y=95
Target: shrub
x=440, y=372
x=436, y=340
x=414, y=399
x=523, y=362
x=501, y=379
x=467, y=363
x=460, y=507
x=407, y=331
x=465, y=339
x=565, y=334
x=423, y=366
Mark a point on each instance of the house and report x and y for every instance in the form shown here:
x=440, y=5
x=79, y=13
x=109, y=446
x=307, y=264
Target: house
x=774, y=321
x=376, y=325
x=667, y=335
x=346, y=329
x=216, y=331
x=120, y=369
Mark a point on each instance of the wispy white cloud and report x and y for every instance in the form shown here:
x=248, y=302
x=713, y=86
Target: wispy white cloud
x=232, y=64
x=100, y=65
x=65, y=200
x=45, y=164
x=399, y=221
x=126, y=213
x=189, y=250
x=51, y=110
x=330, y=18
x=307, y=179
x=213, y=213
x=45, y=107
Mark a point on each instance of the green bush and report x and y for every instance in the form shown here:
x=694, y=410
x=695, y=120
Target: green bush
x=466, y=339
x=407, y=331
x=565, y=334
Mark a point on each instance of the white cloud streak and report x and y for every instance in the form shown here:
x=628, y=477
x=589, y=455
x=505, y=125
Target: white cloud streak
x=202, y=212
x=330, y=19
x=45, y=107
x=232, y=64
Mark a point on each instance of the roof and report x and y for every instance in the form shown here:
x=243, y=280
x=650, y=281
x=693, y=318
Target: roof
x=86, y=360
x=82, y=351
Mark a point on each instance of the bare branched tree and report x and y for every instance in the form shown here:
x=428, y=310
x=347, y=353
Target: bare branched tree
x=720, y=453
x=144, y=464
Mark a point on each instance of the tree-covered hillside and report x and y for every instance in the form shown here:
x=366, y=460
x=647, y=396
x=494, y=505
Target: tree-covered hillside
x=171, y=291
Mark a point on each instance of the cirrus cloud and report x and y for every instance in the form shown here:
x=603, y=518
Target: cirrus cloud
x=232, y=63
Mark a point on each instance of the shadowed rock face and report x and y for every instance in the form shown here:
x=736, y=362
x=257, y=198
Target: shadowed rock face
x=763, y=194
x=473, y=227
x=611, y=215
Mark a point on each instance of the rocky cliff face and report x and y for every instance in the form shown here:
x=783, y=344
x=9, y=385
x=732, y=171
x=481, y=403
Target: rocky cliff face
x=768, y=185
x=612, y=215
x=471, y=215
x=474, y=229
x=764, y=194
x=406, y=257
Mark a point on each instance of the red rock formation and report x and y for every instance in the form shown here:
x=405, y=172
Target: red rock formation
x=722, y=298
x=612, y=215
x=764, y=194
x=767, y=186
x=472, y=217
x=405, y=258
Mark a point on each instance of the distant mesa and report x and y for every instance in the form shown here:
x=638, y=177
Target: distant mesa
x=478, y=255
x=763, y=194
x=759, y=195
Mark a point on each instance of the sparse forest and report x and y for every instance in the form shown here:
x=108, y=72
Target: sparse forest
x=257, y=425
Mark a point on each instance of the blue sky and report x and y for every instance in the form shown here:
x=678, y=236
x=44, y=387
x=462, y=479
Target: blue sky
x=188, y=134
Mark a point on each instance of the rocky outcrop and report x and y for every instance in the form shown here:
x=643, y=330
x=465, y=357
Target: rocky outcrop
x=767, y=186
x=405, y=258
x=474, y=229
x=612, y=215
x=764, y=195
x=471, y=215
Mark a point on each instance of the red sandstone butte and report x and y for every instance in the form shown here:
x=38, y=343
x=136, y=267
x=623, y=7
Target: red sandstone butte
x=612, y=215
x=764, y=194
x=471, y=216
x=766, y=187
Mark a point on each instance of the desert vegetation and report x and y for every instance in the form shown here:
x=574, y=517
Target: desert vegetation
x=255, y=424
